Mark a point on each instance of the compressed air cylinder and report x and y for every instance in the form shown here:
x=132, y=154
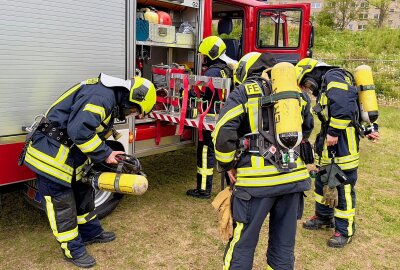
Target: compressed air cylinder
x=367, y=95
x=127, y=183
x=287, y=115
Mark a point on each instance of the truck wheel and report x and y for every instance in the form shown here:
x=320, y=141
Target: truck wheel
x=104, y=201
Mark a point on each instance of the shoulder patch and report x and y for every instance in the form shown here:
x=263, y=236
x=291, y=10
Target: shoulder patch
x=92, y=81
x=252, y=88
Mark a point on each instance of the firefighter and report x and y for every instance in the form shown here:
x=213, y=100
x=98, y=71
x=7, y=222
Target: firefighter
x=259, y=186
x=219, y=65
x=337, y=143
x=70, y=135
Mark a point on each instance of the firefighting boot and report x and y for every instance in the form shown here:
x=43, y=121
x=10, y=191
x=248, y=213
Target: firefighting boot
x=104, y=237
x=316, y=223
x=83, y=261
x=338, y=240
x=197, y=193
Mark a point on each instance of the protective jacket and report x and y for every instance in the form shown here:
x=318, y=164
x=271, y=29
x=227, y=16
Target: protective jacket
x=238, y=117
x=85, y=112
x=339, y=117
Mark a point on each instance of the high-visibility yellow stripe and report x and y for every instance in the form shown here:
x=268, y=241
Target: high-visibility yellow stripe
x=256, y=162
x=62, y=153
x=204, y=163
x=349, y=206
x=237, y=233
x=65, y=95
x=67, y=252
x=264, y=170
x=269, y=267
x=82, y=218
x=49, y=160
x=338, y=85
x=351, y=140
x=38, y=164
x=323, y=99
x=63, y=236
x=100, y=128
x=203, y=171
x=79, y=170
x=232, y=113
x=345, y=214
x=318, y=198
x=224, y=157
x=252, y=106
x=339, y=123
x=95, y=109
x=340, y=160
x=90, y=145
x=265, y=181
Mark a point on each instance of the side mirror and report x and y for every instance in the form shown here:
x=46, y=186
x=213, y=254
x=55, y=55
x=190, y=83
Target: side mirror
x=311, y=41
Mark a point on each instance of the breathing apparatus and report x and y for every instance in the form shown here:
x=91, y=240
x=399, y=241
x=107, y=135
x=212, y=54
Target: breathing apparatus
x=284, y=104
x=366, y=98
x=126, y=177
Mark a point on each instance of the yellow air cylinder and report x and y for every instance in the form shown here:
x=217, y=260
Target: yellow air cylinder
x=150, y=16
x=367, y=95
x=287, y=115
x=127, y=184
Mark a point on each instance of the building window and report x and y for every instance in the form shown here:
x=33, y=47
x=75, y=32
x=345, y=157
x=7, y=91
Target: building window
x=376, y=16
x=362, y=27
x=350, y=26
x=364, y=5
x=363, y=16
x=391, y=10
x=316, y=5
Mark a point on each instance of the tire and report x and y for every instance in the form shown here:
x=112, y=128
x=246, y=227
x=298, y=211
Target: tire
x=105, y=202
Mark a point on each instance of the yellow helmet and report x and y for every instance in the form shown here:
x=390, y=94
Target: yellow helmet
x=250, y=63
x=303, y=67
x=212, y=46
x=143, y=93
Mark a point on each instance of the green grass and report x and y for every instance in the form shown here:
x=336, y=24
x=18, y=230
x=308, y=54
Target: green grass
x=164, y=229
x=372, y=44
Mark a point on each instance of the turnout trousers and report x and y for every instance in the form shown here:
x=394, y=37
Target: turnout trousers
x=70, y=211
x=249, y=214
x=344, y=213
x=205, y=162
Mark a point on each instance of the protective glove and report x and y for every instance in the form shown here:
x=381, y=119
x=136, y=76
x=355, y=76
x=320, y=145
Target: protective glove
x=222, y=203
x=306, y=152
x=330, y=196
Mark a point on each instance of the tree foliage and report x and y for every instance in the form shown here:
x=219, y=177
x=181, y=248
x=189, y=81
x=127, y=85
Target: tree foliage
x=383, y=7
x=338, y=13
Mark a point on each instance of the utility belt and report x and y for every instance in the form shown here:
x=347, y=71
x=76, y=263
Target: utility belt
x=55, y=133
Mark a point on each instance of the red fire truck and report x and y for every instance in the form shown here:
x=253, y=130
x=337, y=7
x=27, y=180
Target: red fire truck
x=47, y=47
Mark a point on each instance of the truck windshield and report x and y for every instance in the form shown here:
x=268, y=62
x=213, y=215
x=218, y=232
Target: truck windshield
x=279, y=28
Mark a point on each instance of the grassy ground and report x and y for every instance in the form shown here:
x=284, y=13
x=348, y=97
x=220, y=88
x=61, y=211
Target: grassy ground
x=164, y=229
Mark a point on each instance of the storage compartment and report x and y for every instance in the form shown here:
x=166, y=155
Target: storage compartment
x=184, y=39
x=162, y=33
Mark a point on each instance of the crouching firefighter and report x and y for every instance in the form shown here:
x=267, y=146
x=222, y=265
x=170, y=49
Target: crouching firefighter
x=257, y=139
x=67, y=138
x=337, y=145
x=218, y=64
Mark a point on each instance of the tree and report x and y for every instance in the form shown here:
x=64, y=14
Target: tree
x=342, y=12
x=383, y=7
